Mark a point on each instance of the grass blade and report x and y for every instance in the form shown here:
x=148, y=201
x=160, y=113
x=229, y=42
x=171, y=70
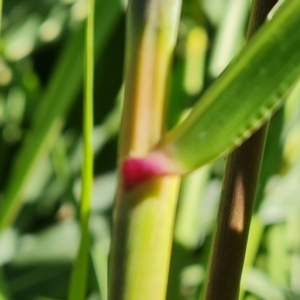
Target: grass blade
x=1, y=5
x=80, y=272
x=261, y=75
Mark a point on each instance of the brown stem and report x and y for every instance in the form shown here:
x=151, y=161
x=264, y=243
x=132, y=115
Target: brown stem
x=237, y=199
x=234, y=218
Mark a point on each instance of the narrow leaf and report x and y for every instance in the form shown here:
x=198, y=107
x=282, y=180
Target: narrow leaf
x=80, y=271
x=239, y=102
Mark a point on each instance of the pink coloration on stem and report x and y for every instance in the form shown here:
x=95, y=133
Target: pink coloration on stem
x=138, y=170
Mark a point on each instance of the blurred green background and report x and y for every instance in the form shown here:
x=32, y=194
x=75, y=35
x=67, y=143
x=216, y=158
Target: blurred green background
x=41, y=66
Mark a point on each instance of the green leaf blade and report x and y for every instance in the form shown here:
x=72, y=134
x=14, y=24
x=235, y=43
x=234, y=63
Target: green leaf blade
x=243, y=98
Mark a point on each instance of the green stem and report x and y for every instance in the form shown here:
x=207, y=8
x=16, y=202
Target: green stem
x=229, y=36
x=143, y=225
x=1, y=7
x=4, y=295
x=187, y=228
x=237, y=200
x=87, y=176
x=254, y=240
x=79, y=275
x=277, y=257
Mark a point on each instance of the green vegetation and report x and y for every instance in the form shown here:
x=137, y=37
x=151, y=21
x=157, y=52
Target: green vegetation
x=145, y=224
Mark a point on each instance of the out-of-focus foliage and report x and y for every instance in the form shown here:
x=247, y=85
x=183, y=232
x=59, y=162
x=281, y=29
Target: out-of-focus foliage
x=37, y=251
x=38, y=248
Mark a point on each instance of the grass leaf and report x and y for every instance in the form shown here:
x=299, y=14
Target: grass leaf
x=244, y=96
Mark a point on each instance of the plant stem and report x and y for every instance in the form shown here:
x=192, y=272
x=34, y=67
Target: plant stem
x=148, y=56
x=79, y=275
x=234, y=219
x=229, y=35
x=1, y=7
x=88, y=122
x=270, y=166
x=237, y=199
x=144, y=216
x=187, y=228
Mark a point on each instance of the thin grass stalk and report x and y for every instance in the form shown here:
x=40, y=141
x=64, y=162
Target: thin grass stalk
x=186, y=232
x=254, y=241
x=195, y=60
x=278, y=252
x=58, y=97
x=99, y=254
x=144, y=215
x=237, y=199
x=80, y=272
x=293, y=224
x=229, y=35
x=4, y=294
x=1, y=8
